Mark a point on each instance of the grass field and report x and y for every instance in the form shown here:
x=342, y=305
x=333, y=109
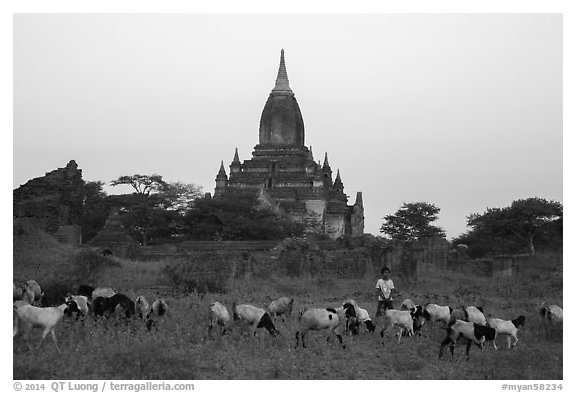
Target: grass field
x=182, y=349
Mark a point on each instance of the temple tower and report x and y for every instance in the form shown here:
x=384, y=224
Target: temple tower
x=285, y=169
x=281, y=122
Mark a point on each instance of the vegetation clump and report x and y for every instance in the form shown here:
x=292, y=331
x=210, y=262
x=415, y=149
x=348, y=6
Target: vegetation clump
x=199, y=272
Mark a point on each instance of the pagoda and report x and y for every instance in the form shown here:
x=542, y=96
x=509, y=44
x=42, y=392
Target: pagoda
x=283, y=169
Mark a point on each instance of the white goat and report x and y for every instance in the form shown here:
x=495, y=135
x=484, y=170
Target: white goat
x=508, y=328
x=407, y=304
x=17, y=292
x=324, y=318
x=472, y=332
x=403, y=319
x=28, y=317
x=23, y=295
x=551, y=312
x=158, y=308
x=476, y=315
x=552, y=315
x=103, y=292
x=81, y=303
x=434, y=312
x=555, y=313
x=362, y=316
x=458, y=314
x=257, y=317
x=142, y=306
x=34, y=287
x=281, y=307
x=219, y=316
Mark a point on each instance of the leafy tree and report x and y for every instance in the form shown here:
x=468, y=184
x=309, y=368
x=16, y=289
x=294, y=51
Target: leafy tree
x=155, y=210
x=144, y=218
x=487, y=241
x=520, y=226
x=412, y=222
x=237, y=217
x=95, y=209
x=180, y=196
x=143, y=184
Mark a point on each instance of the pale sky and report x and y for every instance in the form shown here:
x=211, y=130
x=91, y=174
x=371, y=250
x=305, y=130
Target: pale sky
x=460, y=110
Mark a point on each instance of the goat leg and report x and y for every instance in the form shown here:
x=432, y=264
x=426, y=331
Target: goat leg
x=44, y=334
x=468, y=344
x=443, y=345
x=54, y=339
x=341, y=342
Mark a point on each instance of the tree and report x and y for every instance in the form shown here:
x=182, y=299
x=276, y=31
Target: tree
x=142, y=217
x=143, y=184
x=519, y=226
x=412, y=222
x=145, y=219
x=156, y=209
x=95, y=209
x=180, y=196
x=238, y=217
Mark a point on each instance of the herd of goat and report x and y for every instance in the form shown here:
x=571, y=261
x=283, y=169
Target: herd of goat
x=469, y=322
x=104, y=302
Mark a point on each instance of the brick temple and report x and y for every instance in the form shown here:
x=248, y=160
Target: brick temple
x=283, y=169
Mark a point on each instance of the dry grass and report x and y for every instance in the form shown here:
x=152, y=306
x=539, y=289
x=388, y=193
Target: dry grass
x=182, y=349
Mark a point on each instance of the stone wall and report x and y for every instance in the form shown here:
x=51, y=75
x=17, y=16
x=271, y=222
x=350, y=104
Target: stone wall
x=316, y=206
x=355, y=221
x=334, y=225
x=406, y=257
x=506, y=265
x=160, y=251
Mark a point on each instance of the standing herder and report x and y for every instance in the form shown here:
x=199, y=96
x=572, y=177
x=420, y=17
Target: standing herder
x=384, y=289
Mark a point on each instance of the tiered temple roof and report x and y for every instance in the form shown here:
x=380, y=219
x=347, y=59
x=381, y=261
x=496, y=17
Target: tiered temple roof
x=281, y=164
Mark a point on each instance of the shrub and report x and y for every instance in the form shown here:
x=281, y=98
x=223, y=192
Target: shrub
x=80, y=267
x=58, y=268
x=88, y=263
x=263, y=266
x=293, y=256
x=200, y=272
x=38, y=255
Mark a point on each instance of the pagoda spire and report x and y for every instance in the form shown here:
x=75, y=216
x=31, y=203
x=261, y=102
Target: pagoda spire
x=359, y=201
x=221, y=181
x=326, y=164
x=338, y=182
x=236, y=166
x=222, y=172
x=282, y=84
